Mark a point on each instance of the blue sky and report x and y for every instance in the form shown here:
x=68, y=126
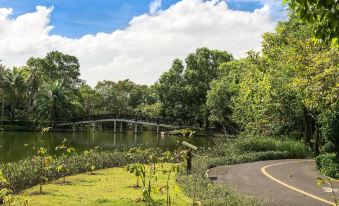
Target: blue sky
x=75, y=18
x=140, y=50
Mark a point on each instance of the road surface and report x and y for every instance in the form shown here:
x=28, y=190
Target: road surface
x=290, y=182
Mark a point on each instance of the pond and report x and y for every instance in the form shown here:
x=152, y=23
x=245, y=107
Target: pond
x=19, y=145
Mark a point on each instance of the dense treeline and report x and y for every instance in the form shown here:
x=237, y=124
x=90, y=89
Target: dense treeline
x=291, y=86
x=49, y=89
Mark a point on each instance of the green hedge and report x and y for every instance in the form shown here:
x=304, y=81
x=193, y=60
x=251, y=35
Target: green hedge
x=328, y=165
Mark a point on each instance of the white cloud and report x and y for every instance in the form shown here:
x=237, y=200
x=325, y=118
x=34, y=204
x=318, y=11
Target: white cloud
x=146, y=48
x=154, y=6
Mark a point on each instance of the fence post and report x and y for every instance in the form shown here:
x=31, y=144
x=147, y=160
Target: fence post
x=115, y=126
x=93, y=129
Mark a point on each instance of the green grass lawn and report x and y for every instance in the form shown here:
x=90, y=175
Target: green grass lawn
x=112, y=186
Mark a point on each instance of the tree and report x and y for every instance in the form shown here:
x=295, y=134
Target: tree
x=322, y=15
x=220, y=98
x=171, y=92
x=16, y=88
x=201, y=69
x=182, y=92
x=33, y=81
x=3, y=84
x=60, y=67
x=55, y=103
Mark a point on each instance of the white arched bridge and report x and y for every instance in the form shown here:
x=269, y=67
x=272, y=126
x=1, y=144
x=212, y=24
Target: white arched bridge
x=119, y=122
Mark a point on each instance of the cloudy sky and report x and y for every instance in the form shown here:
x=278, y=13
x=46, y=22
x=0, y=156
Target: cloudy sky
x=129, y=39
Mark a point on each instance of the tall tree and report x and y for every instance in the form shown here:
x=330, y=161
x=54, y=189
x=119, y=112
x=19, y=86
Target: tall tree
x=16, y=88
x=201, y=69
x=55, y=103
x=3, y=85
x=171, y=92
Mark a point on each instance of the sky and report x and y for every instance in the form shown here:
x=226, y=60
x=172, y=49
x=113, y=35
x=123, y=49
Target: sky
x=129, y=39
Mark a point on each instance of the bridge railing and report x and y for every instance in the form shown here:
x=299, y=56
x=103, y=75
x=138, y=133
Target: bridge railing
x=132, y=117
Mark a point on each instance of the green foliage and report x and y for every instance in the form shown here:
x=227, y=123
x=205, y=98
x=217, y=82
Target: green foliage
x=221, y=96
x=322, y=15
x=296, y=149
x=182, y=91
x=328, y=164
x=139, y=171
x=203, y=192
x=330, y=129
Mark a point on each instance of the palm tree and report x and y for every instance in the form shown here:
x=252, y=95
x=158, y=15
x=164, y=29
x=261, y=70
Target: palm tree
x=3, y=83
x=33, y=82
x=54, y=103
x=16, y=87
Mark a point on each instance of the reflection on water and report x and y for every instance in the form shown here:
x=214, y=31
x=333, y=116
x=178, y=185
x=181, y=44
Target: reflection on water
x=18, y=145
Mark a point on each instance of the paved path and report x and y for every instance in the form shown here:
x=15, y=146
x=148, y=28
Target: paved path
x=277, y=182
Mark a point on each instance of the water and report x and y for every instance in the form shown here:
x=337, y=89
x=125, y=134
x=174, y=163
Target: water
x=19, y=145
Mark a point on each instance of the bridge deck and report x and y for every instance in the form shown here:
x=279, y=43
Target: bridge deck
x=119, y=120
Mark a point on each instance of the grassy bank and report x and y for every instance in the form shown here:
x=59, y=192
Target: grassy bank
x=17, y=128
x=27, y=173
x=112, y=186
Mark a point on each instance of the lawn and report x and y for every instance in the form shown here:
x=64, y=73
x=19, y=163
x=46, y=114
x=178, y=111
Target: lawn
x=112, y=186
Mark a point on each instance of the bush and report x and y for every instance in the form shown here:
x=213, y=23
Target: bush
x=328, y=165
x=295, y=149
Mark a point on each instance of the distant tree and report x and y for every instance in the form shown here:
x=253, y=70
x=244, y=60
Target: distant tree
x=220, y=98
x=182, y=92
x=33, y=81
x=3, y=85
x=60, y=67
x=171, y=92
x=55, y=103
x=16, y=88
x=201, y=69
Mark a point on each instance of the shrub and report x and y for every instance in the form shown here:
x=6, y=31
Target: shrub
x=295, y=149
x=328, y=165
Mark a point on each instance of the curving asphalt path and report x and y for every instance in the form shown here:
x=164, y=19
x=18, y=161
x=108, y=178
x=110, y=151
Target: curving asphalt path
x=290, y=182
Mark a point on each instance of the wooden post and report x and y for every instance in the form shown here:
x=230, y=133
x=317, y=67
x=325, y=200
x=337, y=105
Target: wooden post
x=80, y=127
x=189, y=162
x=158, y=128
x=115, y=126
x=121, y=126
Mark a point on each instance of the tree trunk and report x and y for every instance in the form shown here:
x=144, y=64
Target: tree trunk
x=317, y=140
x=207, y=124
x=13, y=109
x=3, y=107
x=307, y=128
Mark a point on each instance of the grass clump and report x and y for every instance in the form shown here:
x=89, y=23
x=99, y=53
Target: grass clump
x=296, y=149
